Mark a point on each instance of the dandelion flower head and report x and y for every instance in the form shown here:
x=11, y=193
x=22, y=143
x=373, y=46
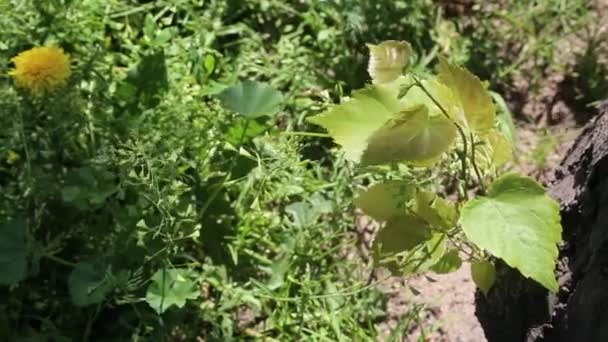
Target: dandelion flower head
x=41, y=69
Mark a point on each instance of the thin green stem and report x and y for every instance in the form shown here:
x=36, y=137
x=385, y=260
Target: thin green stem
x=474, y=163
x=59, y=260
x=307, y=134
x=233, y=162
x=463, y=137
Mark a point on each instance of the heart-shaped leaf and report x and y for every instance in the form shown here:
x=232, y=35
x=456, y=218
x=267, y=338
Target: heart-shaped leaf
x=387, y=60
x=518, y=223
x=171, y=287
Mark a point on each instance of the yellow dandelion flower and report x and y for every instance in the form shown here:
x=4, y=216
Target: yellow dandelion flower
x=41, y=69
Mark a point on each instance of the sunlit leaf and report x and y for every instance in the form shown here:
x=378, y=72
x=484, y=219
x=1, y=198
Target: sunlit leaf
x=252, y=99
x=475, y=101
x=518, y=223
x=352, y=123
x=387, y=60
x=172, y=287
x=484, y=275
x=411, y=136
x=385, y=200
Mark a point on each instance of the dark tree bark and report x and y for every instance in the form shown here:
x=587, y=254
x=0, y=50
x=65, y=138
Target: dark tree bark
x=519, y=310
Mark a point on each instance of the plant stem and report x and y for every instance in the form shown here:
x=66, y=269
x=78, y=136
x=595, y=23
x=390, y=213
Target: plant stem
x=59, y=260
x=463, y=137
x=219, y=187
x=479, y=179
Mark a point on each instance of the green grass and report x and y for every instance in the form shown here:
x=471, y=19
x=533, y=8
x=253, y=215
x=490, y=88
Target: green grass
x=127, y=171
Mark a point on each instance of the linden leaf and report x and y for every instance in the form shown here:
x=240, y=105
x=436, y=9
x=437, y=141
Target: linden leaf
x=435, y=210
x=449, y=262
x=384, y=201
x=484, y=275
x=502, y=149
x=424, y=257
x=518, y=223
x=400, y=234
x=354, y=121
x=475, y=101
x=252, y=99
x=412, y=136
x=387, y=60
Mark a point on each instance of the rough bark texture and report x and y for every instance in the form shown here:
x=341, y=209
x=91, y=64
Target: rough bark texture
x=519, y=310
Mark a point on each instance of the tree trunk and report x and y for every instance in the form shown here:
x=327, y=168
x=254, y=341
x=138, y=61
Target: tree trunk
x=519, y=310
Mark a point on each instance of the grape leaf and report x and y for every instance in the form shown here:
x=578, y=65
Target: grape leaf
x=475, y=101
x=484, y=275
x=518, y=223
x=13, y=252
x=412, y=136
x=252, y=99
x=387, y=60
x=449, y=262
x=385, y=200
x=171, y=287
x=354, y=121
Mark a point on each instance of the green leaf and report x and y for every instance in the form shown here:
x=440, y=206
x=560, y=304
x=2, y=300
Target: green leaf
x=518, y=223
x=387, y=60
x=449, y=262
x=435, y=210
x=505, y=118
x=13, y=252
x=171, y=287
x=502, y=148
x=90, y=282
x=352, y=123
x=424, y=257
x=484, y=275
x=475, y=101
x=412, y=136
x=400, y=234
x=385, y=200
x=252, y=99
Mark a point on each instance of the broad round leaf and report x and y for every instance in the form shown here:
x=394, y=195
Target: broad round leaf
x=387, y=60
x=475, y=101
x=171, y=287
x=252, y=99
x=518, y=223
x=484, y=275
x=412, y=136
x=13, y=252
x=385, y=200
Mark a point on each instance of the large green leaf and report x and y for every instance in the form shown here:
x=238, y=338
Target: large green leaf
x=385, y=200
x=13, y=252
x=387, y=60
x=412, y=136
x=252, y=99
x=354, y=121
x=171, y=287
x=449, y=262
x=475, y=101
x=518, y=223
